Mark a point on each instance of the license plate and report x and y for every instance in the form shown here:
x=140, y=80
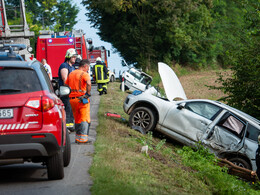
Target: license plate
x=6, y=113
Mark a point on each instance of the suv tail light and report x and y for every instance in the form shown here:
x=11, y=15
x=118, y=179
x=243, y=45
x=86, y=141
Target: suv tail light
x=42, y=104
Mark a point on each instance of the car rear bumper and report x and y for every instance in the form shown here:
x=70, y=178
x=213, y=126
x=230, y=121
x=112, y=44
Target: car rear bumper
x=27, y=146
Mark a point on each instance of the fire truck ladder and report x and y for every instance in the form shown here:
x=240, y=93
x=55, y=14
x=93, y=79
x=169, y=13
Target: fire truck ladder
x=78, y=41
x=14, y=31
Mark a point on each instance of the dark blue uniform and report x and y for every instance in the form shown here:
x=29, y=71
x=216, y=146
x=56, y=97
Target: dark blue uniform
x=65, y=99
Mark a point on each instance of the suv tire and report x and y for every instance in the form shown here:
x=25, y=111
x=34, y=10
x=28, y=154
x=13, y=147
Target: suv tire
x=143, y=117
x=112, y=79
x=55, y=166
x=67, y=150
x=240, y=162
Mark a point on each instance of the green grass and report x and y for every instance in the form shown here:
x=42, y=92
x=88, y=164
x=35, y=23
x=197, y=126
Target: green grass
x=119, y=166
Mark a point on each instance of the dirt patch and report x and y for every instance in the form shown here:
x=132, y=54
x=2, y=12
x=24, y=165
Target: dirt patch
x=168, y=161
x=123, y=133
x=195, y=85
x=158, y=157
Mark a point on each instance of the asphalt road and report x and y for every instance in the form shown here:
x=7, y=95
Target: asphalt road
x=31, y=178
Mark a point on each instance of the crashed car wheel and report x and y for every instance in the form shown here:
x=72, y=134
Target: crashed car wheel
x=143, y=117
x=240, y=162
x=112, y=79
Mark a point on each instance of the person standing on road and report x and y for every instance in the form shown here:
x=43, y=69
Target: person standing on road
x=64, y=70
x=80, y=83
x=100, y=72
x=47, y=68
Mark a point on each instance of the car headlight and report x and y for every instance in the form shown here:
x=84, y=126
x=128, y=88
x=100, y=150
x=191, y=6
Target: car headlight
x=29, y=49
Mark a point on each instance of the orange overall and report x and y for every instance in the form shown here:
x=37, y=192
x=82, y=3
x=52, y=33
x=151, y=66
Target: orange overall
x=77, y=80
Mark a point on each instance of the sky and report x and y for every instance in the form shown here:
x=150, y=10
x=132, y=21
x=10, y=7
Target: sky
x=114, y=61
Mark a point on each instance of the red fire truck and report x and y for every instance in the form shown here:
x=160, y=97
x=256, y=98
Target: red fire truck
x=103, y=54
x=53, y=46
x=98, y=52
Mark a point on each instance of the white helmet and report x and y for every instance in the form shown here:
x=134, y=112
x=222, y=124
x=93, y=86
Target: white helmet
x=98, y=59
x=70, y=52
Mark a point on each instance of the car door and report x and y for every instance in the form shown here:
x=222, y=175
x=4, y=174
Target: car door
x=190, y=119
x=226, y=133
x=132, y=80
x=137, y=85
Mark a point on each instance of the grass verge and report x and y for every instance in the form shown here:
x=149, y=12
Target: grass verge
x=119, y=166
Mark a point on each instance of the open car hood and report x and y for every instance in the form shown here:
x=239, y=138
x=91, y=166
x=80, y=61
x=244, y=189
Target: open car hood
x=171, y=83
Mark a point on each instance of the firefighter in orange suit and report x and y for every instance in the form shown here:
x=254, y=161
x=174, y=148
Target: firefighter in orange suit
x=80, y=83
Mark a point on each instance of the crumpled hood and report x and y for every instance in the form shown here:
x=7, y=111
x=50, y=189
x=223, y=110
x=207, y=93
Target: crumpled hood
x=171, y=83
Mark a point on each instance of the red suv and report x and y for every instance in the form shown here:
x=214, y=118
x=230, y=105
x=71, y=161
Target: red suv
x=32, y=118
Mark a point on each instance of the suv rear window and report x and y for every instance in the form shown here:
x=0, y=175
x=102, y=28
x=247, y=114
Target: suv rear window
x=18, y=80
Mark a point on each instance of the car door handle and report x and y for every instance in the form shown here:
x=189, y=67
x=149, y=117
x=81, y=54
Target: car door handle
x=127, y=76
x=204, y=123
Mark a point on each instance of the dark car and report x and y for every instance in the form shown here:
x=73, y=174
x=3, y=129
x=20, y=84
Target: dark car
x=32, y=118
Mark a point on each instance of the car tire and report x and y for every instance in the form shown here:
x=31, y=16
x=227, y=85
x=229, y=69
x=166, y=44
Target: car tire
x=67, y=150
x=55, y=166
x=112, y=79
x=143, y=117
x=240, y=162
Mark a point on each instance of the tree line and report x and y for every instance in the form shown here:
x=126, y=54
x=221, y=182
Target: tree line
x=194, y=33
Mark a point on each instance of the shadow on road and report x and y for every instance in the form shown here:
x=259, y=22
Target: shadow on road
x=23, y=173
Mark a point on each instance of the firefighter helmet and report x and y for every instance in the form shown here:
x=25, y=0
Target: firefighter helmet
x=98, y=59
x=70, y=53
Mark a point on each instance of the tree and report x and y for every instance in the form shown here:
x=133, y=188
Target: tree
x=148, y=31
x=243, y=87
x=45, y=13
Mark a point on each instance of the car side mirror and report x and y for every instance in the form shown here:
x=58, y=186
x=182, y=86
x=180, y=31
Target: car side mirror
x=64, y=90
x=180, y=107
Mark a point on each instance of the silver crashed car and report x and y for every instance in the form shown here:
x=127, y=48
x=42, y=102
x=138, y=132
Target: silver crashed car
x=226, y=131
